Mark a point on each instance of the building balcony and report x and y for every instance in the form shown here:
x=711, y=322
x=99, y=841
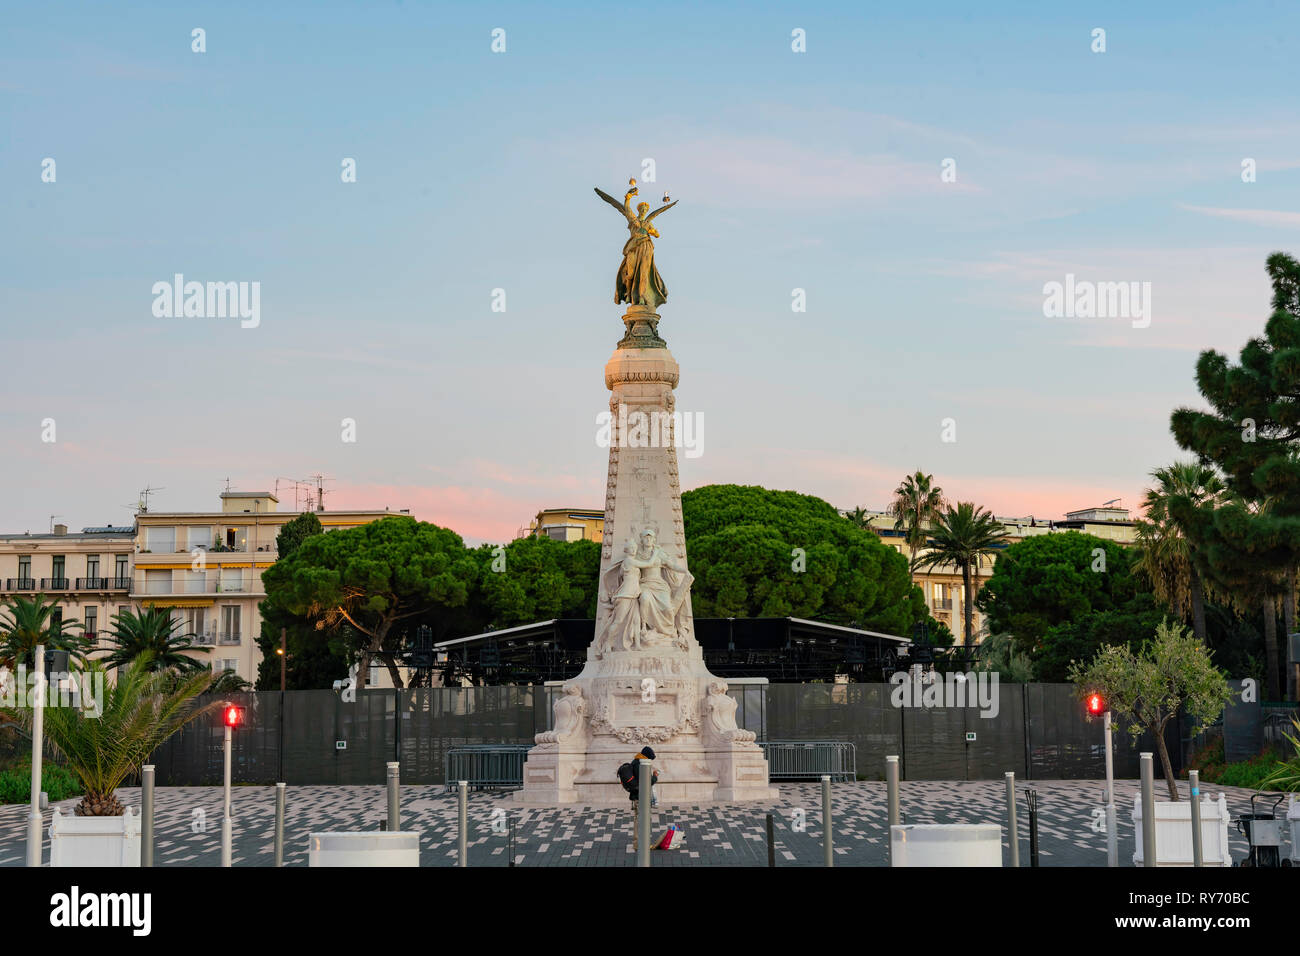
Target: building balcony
x=941, y=604
x=20, y=584
x=56, y=584
x=229, y=639
x=240, y=588
x=103, y=584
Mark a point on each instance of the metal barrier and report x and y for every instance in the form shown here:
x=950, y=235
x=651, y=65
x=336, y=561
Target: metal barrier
x=810, y=759
x=486, y=766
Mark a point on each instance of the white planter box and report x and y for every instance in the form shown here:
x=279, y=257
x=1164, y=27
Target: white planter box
x=95, y=841
x=945, y=844
x=365, y=848
x=1174, y=832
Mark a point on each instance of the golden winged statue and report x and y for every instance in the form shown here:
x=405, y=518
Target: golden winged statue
x=638, y=281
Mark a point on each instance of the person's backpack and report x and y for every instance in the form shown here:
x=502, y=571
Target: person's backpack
x=627, y=776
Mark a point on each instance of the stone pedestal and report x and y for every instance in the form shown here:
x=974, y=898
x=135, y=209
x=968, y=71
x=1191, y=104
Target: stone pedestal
x=644, y=681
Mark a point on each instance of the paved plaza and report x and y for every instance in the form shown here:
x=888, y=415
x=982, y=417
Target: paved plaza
x=188, y=824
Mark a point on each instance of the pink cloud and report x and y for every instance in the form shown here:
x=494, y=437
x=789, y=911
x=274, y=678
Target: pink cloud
x=476, y=513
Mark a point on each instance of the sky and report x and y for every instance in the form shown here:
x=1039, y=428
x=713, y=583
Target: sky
x=920, y=172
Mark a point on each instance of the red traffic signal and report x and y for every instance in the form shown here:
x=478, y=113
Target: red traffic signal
x=1096, y=705
x=232, y=716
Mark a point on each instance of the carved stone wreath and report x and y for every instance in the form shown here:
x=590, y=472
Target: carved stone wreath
x=688, y=714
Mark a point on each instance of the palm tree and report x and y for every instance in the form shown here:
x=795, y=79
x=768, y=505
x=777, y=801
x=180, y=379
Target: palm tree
x=1164, y=552
x=151, y=633
x=917, y=504
x=104, y=743
x=963, y=536
x=31, y=621
x=860, y=517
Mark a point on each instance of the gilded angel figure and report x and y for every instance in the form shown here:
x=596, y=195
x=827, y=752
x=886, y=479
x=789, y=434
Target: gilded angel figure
x=638, y=281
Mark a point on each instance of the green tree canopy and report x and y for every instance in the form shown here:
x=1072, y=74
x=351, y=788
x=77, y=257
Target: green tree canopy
x=740, y=544
x=1046, y=580
x=294, y=533
x=377, y=578
x=1251, y=432
x=536, y=579
x=1130, y=625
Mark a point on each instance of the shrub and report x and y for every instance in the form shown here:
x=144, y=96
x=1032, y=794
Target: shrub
x=58, y=782
x=1252, y=774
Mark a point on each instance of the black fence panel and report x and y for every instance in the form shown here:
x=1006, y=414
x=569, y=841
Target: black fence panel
x=1038, y=731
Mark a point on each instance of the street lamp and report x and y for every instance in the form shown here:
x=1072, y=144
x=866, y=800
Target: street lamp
x=1097, y=708
x=232, y=716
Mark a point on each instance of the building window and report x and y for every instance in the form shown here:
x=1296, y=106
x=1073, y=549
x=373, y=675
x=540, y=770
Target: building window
x=160, y=540
x=222, y=664
x=196, y=626
x=196, y=582
x=157, y=582
x=92, y=567
x=200, y=536
x=25, y=572
x=232, y=579
x=57, y=568
x=230, y=624
x=120, y=572
x=92, y=622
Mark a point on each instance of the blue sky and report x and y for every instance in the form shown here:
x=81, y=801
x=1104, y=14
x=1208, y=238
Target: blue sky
x=816, y=170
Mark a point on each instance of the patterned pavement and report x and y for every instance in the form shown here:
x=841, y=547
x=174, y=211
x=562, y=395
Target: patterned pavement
x=188, y=824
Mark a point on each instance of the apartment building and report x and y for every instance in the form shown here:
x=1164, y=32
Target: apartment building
x=89, y=572
x=205, y=565
x=567, y=524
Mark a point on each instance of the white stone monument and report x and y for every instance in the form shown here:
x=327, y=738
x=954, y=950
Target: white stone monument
x=644, y=682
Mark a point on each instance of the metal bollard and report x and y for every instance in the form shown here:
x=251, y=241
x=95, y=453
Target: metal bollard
x=891, y=785
x=512, y=842
x=146, y=814
x=1194, y=778
x=462, y=797
x=394, y=796
x=771, y=841
x=1148, y=811
x=279, y=824
x=1013, y=834
x=643, y=796
x=1031, y=798
x=828, y=838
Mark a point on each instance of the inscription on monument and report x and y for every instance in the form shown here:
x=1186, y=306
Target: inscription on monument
x=631, y=711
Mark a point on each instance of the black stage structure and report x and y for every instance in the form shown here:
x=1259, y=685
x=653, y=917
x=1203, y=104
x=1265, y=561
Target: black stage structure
x=782, y=649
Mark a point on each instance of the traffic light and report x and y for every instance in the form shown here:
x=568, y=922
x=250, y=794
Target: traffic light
x=232, y=715
x=1096, y=705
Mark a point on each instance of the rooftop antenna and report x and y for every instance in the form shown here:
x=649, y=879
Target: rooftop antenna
x=320, y=491
x=52, y=517
x=145, y=492
x=297, y=487
x=1113, y=501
